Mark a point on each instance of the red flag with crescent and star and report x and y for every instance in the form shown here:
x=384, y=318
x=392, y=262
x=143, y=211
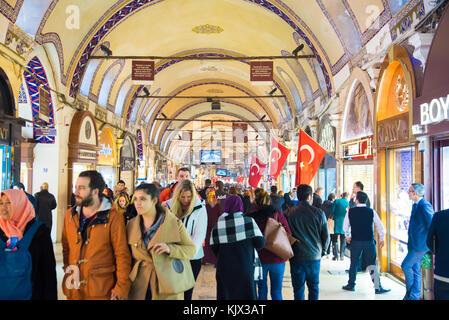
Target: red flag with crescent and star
x=255, y=172
x=310, y=155
x=278, y=156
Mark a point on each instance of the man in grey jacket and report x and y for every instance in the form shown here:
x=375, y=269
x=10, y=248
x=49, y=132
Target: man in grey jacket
x=309, y=225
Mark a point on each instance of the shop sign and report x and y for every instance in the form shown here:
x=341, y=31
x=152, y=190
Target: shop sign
x=4, y=134
x=87, y=154
x=127, y=164
x=435, y=111
x=44, y=104
x=105, y=150
x=358, y=149
x=393, y=130
x=45, y=132
x=106, y=153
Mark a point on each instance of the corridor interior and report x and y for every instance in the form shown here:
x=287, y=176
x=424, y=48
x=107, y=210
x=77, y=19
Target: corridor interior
x=332, y=278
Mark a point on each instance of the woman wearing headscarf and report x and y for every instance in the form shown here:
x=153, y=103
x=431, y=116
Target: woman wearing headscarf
x=271, y=263
x=214, y=211
x=187, y=206
x=234, y=241
x=20, y=235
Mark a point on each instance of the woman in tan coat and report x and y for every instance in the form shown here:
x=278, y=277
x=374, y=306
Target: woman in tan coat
x=155, y=231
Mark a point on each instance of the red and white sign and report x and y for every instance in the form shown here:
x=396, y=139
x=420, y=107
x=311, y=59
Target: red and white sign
x=310, y=155
x=278, y=156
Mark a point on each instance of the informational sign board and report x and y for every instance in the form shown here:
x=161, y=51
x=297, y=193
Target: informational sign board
x=44, y=105
x=261, y=72
x=142, y=72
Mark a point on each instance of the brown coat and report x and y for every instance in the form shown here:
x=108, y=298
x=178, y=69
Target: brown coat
x=174, y=234
x=104, y=261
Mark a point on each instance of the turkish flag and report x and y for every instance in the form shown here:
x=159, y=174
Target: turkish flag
x=310, y=155
x=255, y=172
x=278, y=156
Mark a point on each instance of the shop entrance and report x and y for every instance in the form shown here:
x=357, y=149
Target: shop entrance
x=440, y=174
x=399, y=177
x=5, y=167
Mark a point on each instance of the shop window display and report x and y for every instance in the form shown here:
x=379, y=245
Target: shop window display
x=401, y=177
x=359, y=172
x=445, y=182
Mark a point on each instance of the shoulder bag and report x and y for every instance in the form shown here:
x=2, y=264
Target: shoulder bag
x=277, y=239
x=173, y=275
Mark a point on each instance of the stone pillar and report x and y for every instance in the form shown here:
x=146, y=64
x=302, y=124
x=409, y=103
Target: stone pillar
x=119, y=145
x=336, y=120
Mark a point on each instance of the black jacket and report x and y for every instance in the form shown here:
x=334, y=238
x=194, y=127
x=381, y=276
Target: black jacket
x=276, y=202
x=43, y=272
x=309, y=225
x=45, y=202
x=326, y=207
x=317, y=201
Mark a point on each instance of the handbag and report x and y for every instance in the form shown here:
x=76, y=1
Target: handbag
x=277, y=239
x=173, y=275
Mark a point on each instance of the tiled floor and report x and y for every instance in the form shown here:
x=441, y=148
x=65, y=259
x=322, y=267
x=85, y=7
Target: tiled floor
x=330, y=284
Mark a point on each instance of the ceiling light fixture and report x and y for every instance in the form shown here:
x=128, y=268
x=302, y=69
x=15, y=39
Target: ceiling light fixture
x=146, y=91
x=273, y=91
x=263, y=117
x=163, y=115
x=105, y=50
x=299, y=48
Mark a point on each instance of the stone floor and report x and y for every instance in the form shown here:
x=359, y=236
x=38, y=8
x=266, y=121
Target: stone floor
x=332, y=278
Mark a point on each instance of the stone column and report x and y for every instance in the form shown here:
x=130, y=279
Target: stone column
x=336, y=120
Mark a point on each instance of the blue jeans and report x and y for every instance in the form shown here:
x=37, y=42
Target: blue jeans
x=411, y=266
x=440, y=290
x=276, y=271
x=305, y=272
x=359, y=249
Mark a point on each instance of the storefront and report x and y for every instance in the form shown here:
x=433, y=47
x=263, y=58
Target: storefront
x=327, y=173
x=106, y=157
x=142, y=174
x=128, y=163
x=83, y=147
x=357, y=136
x=10, y=136
x=398, y=163
x=431, y=119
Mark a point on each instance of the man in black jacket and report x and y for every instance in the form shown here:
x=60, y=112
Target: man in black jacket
x=45, y=202
x=309, y=225
x=276, y=201
x=318, y=197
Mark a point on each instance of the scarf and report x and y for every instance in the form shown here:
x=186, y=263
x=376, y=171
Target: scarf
x=233, y=204
x=234, y=227
x=211, y=197
x=22, y=212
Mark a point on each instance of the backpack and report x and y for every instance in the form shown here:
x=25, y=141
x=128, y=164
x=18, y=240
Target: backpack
x=15, y=268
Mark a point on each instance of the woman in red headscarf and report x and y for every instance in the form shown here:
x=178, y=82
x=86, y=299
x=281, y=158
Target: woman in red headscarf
x=214, y=210
x=25, y=245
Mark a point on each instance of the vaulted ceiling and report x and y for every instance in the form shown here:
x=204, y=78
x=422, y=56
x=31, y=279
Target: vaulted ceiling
x=332, y=30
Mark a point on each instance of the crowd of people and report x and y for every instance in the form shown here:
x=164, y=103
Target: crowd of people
x=151, y=245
